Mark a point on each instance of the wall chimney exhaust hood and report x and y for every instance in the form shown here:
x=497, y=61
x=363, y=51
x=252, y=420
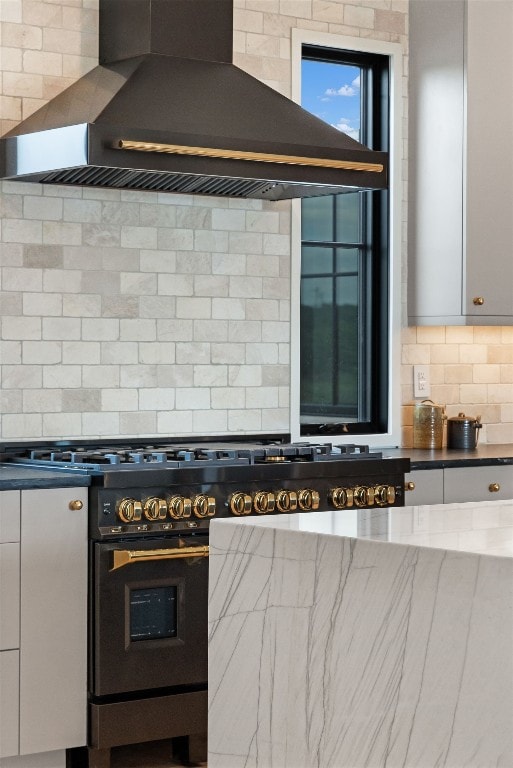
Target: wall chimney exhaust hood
x=167, y=110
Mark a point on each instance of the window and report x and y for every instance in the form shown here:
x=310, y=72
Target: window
x=345, y=346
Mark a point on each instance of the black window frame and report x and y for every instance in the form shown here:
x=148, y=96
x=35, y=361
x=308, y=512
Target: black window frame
x=374, y=362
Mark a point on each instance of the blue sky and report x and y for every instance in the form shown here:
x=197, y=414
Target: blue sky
x=332, y=92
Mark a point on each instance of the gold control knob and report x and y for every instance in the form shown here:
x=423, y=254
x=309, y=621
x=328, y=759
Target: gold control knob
x=179, y=507
x=204, y=506
x=155, y=509
x=494, y=487
x=409, y=486
x=364, y=496
x=240, y=504
x=341, y=497
x=308, y=499
x=75, y=505
x=286, y=501
x=129, y=510
x=478, y=301
x=384, y=494
x=263, y=502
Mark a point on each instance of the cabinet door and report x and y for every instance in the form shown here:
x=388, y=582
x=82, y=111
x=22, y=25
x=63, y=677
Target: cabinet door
x=478, y=484
x=489, y=159
x=9, y=703
x=429, y=487
x=9, y=516
x=9, y=596
x=53, y=667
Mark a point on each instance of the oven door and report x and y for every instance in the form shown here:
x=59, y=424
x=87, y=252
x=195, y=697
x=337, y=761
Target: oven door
x=150, y=614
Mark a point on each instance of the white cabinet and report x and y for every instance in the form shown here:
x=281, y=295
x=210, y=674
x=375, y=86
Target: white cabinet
x=460, y=221
x=478, y=483
x=459, y=484
x=9, y=621
x=46, y=625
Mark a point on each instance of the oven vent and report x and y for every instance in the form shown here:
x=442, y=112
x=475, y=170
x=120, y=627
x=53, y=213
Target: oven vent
x=96, y=176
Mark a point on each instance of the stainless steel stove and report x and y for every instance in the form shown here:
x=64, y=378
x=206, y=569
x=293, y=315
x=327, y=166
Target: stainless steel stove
x=150, y=506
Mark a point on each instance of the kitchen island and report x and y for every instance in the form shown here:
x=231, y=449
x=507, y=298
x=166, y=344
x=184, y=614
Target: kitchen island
x=363, y=639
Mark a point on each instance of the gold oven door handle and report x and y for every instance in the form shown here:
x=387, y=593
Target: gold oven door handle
x=127, y=556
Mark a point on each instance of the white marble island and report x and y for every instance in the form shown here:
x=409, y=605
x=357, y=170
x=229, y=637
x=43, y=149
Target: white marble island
x=363, y=639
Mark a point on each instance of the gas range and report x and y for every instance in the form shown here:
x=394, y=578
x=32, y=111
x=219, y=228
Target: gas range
x=156, y=487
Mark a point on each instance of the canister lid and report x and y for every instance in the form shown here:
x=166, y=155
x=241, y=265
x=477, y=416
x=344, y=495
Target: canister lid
x=465, y=419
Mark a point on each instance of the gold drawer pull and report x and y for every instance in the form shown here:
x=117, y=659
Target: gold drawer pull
x=75, y=505
x=478, y=301
x=494, y=487
x=409, y=486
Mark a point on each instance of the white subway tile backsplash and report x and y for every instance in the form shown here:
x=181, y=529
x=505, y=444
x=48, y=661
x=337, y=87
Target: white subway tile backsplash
x=22, y=377
x=101, y=424
x=192, y=398
x=119, y=399
x=22, y=425
x=21, y=328
x=101, y=376
x=158, y=353
x=174, y=423
x=19, y=279
x=154, y=399
x=209, y=421
x=61, y=328
x=86, y=352
x=210, y=375
x=42, y=400
x=140, y=423
x=10, y=353
x=41, y=352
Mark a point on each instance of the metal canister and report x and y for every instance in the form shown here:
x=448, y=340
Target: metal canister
x=463, y=432
x=428, y=424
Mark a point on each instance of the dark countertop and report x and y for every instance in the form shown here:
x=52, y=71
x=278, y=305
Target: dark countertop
x=484, y=455
x=15, y=478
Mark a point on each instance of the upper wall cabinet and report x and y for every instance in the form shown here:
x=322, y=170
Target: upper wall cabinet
x=460, y=219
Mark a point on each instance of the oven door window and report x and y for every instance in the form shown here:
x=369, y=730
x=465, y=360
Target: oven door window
x=153, y=613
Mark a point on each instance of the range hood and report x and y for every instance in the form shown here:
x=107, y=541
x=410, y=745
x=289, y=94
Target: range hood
x=167, y=110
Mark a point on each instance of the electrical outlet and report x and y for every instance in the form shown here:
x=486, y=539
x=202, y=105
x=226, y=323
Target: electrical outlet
x=421, y=382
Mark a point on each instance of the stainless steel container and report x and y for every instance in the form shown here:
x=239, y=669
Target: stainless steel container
x=463, y=432
x=428, y=424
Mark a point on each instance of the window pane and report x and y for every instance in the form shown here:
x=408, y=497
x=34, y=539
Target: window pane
x=317, y=218
x=331, y=91
x=347, y=219
x=317, y=352
x=347, y=341
x=316, y=260
x=347, y=260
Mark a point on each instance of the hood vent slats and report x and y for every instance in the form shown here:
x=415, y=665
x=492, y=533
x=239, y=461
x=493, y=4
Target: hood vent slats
x=158, y=182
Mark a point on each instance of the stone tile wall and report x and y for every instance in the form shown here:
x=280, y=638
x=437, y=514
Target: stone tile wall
x=138, y=314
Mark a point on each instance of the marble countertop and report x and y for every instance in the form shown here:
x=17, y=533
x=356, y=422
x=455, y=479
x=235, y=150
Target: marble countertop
x=484, y=528
x=15, y=478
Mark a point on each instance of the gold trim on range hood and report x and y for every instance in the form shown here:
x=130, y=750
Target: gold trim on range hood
x=260, y=157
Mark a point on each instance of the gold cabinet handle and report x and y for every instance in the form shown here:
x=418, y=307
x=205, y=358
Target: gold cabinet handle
x=75, y=505
x=409, y=486
x=494, y=487
x=478, y=301
x=129, y=556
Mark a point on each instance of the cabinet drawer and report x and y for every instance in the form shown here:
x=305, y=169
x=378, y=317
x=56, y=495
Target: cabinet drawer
x=429, y=487
x=9, y=596
x=478, y=484
x=9, y=703
x=9, y=516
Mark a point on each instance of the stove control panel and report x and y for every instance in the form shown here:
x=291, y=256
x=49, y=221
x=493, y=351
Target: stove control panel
x=151, y=511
